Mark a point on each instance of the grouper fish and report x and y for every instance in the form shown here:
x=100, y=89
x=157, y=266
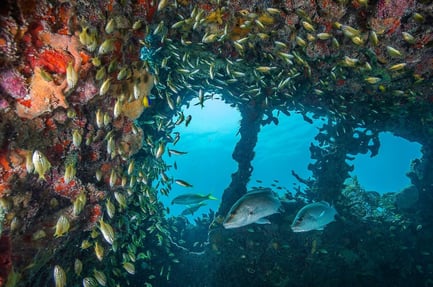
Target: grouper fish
x=252, y=208
x=314, y=216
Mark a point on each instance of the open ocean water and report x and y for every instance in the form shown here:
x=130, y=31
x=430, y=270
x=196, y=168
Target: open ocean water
x=212, y=135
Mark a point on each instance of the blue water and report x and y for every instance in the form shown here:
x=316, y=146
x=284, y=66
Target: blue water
x=212, y=135
x=386, y=172
x=282, y=148
x=209, y=140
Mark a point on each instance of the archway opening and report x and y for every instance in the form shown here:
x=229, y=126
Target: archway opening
x=208, y=141
x=386, y=172
x=281, y=150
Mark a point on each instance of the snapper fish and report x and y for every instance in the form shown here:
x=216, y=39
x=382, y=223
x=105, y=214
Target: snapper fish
x=192, y=198
x=191, y=209
x=313, y=216
x=252, y=208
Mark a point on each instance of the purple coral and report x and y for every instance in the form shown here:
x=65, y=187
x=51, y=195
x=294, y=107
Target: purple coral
x=3, y=103
x=84, y=92
x=393, y=8
x=13, y=83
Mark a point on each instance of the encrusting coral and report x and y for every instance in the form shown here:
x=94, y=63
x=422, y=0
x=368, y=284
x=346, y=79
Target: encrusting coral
x=44, y=97
x=135, y=108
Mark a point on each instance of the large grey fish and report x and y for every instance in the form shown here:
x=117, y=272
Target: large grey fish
x=314, y=216
x=191, y=198
x=252, y=208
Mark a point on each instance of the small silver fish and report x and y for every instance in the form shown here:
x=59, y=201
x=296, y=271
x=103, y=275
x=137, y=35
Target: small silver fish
x=314, y=216
x=159, y=152
x=41, y=164
x=192, y=198
x=175, y=152
x=107, y=231
x=62, y=226
x=188, y=120
x=182, y=183
x=59, y=276
x=78, y=266
x=71, y=76
x=252, y=208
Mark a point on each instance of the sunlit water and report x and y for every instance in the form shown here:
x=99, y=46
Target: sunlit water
x=212, y=135
x=209, y=140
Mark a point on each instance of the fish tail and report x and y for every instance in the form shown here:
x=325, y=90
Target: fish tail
x=146, y=102
x=211, y=197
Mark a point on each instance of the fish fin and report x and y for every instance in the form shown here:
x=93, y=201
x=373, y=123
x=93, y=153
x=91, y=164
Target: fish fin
x=281, y=209
x=263, y=221
x=288, y=201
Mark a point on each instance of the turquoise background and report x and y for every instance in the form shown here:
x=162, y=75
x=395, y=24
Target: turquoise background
x=212, y=135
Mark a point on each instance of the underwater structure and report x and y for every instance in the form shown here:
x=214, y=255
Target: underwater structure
x=90, y=92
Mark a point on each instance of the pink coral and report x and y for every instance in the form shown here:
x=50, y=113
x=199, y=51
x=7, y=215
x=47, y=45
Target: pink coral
x=85, y=91
x=3, y=104
x=8, y=44
x=393, y=8
x=13, y=83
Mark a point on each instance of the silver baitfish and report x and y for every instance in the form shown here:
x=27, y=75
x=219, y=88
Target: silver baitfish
x=41, y=164
x=313, y=216
x=71, y=76
x=175, y=152
x=107, y=231
x=252, y=208
x=59, y=276
x=62, y=226
x=111, y=209
x=182, y=183
x=78, y=266
x=129, y=267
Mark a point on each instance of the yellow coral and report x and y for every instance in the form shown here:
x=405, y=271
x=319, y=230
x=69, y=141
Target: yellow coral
x=215, y=17
x=135, y=108
x=238, y=32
